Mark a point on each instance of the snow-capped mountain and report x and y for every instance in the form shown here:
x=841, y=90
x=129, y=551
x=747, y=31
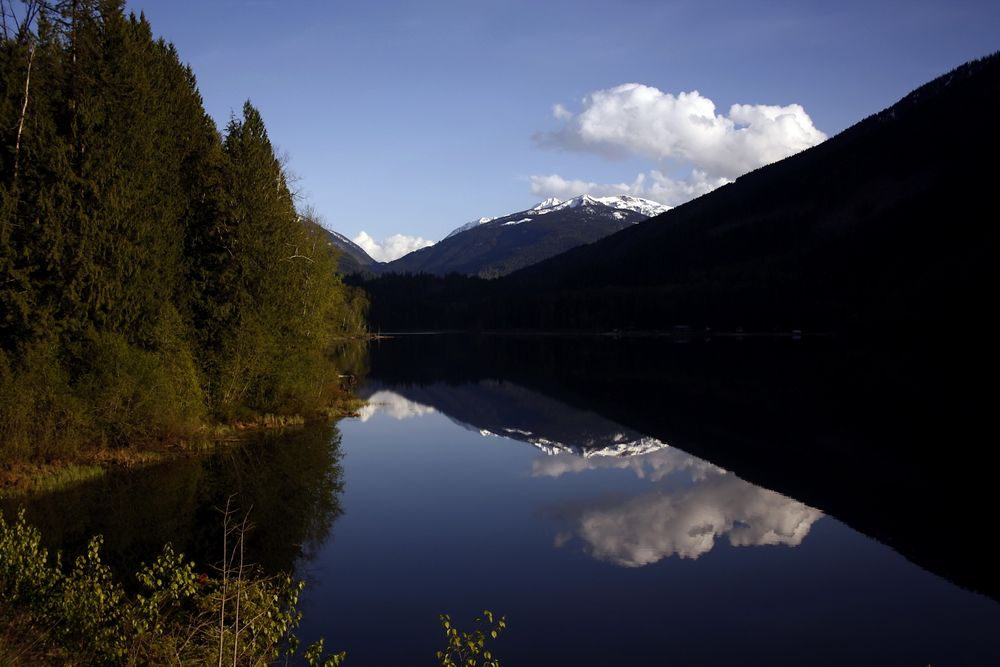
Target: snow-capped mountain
x=469, y=225
x=494, y=246
x=639, y=205
x=621, y=202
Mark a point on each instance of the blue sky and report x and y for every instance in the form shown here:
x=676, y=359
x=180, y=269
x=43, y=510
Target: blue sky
x=415, y=117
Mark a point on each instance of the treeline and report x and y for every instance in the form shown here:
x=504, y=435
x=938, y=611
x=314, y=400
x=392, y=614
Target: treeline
x=154, y=273
x=423, y=301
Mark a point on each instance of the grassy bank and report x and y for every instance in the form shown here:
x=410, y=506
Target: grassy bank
x=25, y=477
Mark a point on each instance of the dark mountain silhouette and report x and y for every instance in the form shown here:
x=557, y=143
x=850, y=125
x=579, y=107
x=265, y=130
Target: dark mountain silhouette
x=888, y=224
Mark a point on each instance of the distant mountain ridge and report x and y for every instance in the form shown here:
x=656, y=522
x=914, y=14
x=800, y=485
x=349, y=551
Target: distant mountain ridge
x=353, y=258
x=493, y=247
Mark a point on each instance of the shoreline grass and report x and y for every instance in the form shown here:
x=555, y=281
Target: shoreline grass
x=21, y=478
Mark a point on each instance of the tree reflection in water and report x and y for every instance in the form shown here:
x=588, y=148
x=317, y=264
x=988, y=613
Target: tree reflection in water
x=289, y=481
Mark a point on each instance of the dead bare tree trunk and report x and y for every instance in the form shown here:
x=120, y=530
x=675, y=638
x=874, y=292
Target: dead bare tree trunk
x=24, y=109
x=239, y=585
x=20, y=30
x=225, y=578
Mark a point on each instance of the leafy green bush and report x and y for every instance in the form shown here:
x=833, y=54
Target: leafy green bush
x=39, y=414
x=180, y=617
x=138, y=394
x=467, y=649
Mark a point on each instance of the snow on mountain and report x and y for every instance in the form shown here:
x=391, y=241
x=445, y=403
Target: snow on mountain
x=491, y=247
x=469, y=225
x=548, y=203
x=639, y=205
x=353, y=257
x=621, y=202
x=618, y=445
x=340, y=237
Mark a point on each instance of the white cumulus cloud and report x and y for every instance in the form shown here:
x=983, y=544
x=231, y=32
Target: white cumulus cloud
x=682, y=130
x=390, y=248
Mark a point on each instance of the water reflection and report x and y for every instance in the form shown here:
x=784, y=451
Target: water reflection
x=644, y=529
x=289, y=482
x=654, y=464
x=692, y=503
x=392, y=404
x=494, y=407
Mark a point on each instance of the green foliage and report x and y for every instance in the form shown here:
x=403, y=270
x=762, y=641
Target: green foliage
x=471, y=649
x=89, y=607
x=179, y=617
x=277, y=304
x=39, y=412
x=153, y=273
x=25, y=575
x=314, y=656
x=168, y=583
x=138, y=394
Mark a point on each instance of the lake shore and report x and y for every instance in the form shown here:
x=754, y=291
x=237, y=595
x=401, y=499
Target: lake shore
x=26, y=477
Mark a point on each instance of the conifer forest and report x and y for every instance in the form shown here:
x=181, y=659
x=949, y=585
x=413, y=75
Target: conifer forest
x=155, y=273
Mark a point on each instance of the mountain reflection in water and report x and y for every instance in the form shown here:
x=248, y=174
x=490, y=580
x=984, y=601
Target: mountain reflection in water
x=692, y=504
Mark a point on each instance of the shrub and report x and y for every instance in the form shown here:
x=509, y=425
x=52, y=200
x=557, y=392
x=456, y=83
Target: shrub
x=39, y=414
x=467, y=649
x=179, y=617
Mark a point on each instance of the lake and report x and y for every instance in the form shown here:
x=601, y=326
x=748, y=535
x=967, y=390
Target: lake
x=548, y=480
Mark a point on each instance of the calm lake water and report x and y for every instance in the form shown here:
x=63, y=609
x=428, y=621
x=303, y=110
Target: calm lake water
x=461, y=488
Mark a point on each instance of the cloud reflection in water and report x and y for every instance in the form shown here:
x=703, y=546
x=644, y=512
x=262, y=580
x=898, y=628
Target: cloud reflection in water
x=655, y=465
x=682, y=521
x=392, y=404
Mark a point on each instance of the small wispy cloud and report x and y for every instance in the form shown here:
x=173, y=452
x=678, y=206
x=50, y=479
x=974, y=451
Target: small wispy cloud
x=392, y=247
x=559, y=112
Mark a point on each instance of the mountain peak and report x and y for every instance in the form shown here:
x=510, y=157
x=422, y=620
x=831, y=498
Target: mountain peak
x=646, y=207
x=469, y=225
x=495, y=246
x=548, y=203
